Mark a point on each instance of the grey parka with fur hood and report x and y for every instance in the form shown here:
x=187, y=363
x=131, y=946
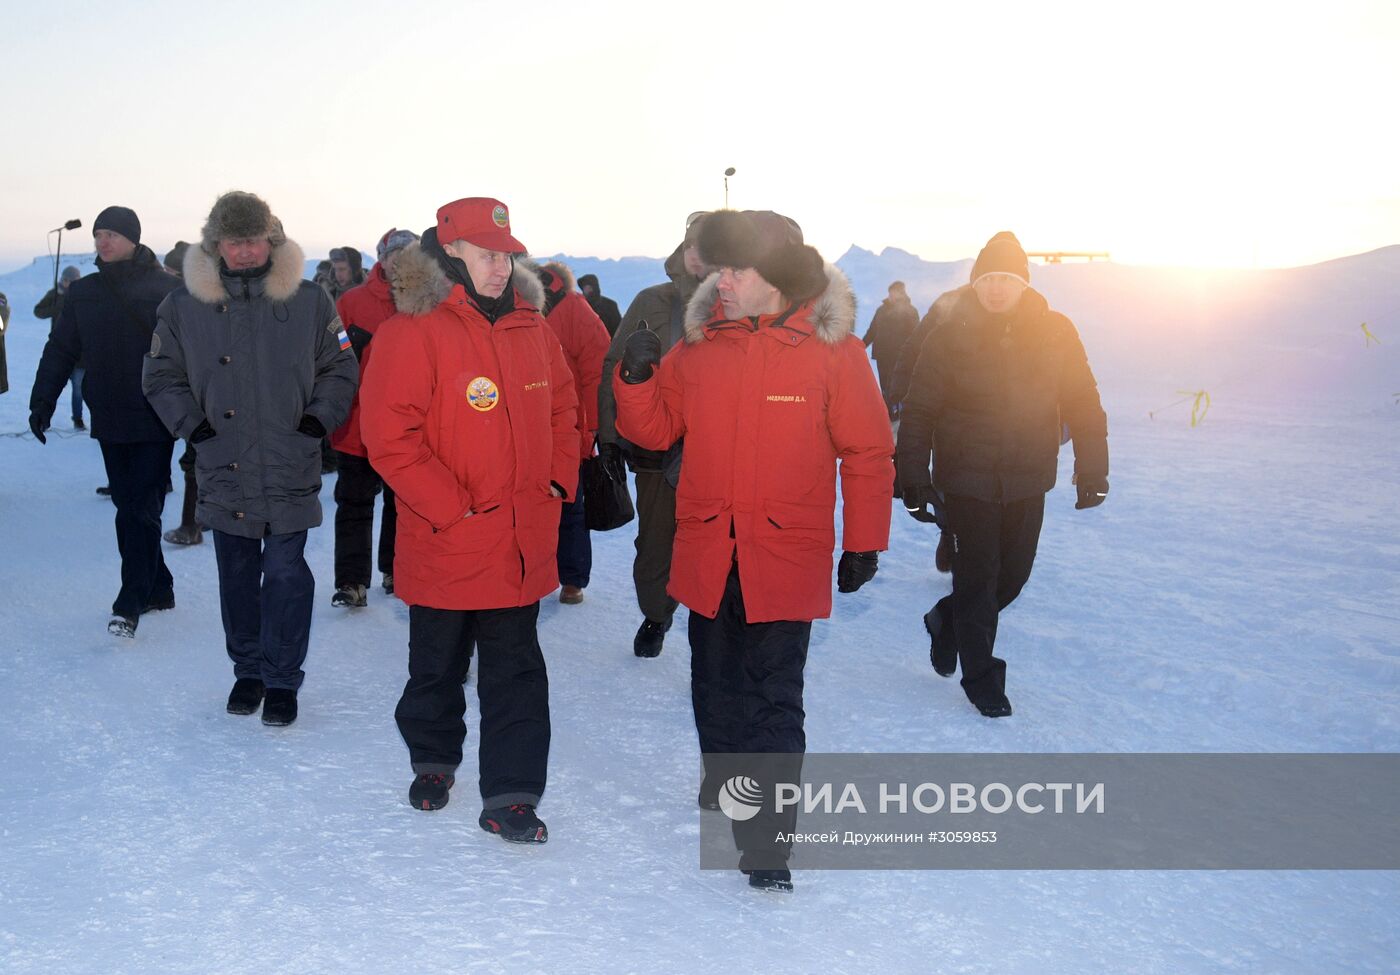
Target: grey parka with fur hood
x=252, y=357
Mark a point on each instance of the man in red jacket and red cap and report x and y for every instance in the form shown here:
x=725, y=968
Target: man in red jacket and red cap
x=362, y=310
x=770, y=389
x=468, y=411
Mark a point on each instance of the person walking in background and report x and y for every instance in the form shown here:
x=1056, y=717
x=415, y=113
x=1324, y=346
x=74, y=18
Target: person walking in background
x=468, y=411
x=894, y=321
x=990, y=389
x=773, y=394
x=51, y=307
x=605, y=308
x=585, y=343
x=362, y=310
x=660, y=308
x=106, y=320
x=939, y=311
x=250, y=364
x=347, y=270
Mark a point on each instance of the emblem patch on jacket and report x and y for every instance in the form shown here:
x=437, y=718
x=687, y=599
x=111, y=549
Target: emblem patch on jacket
x=155, y=345
x=482, y=394
x=337, y=328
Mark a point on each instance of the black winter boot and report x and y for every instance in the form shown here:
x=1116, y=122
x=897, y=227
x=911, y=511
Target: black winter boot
x=650, y=636
x=517, y=823
x=777, y=881
x=246, y=696
x=430, y=791
x=122, y=626
x=279, y=707
x=942, y=653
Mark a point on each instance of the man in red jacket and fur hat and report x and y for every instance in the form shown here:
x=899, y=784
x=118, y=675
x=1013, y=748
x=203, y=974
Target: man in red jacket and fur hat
x=770, y=389
x=468, y=411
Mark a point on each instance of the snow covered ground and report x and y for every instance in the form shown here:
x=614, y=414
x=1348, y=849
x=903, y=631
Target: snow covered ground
x=1237, y=592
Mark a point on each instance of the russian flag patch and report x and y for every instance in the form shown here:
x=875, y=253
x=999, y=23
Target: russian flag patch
x=343, y=339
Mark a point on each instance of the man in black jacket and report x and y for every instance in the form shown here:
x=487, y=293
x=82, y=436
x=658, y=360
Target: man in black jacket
x=604, y=308
x=992, y=386
x=107, y=321
x=894, y=321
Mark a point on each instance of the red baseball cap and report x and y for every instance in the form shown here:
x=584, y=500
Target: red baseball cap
x=479, y=220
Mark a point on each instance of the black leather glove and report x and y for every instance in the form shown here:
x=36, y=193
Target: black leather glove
x=924, y=503
x=856, y=569
x=311, y=426
x=202, y=432
x=640, y=355
x=359, y=340
x=1092, y=491
x=610, y=456
x=38, y=423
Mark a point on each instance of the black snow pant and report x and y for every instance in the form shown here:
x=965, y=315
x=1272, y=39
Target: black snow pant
x=993, y=550
x=137, y=474
x=656, y=531
x=356, y=484
x=265, y=592
x=512, y=688
x=746, y=690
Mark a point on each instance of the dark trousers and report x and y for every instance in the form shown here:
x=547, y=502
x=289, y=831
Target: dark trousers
x=656, y=530
x=512, y=688
x=575, y=551
x=356, y=484
x=993, y=551
x=265, y=593
x=746, y=690
x=137, y=473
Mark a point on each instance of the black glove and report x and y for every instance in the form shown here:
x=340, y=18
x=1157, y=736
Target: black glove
x=855, y=570
x=640, y=355
x=1092, y=491
x=38, y=423
x=311, y=426
x=359, y=340
x=202, y=432
x=610, y=456
x=924, y=503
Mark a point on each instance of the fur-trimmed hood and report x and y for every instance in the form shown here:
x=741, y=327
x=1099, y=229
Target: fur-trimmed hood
x=831, y=313
x=203, y=280
x=420, y=284
x=564, y=273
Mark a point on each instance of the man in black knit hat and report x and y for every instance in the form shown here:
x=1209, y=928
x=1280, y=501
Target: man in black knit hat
x=107, y=321
x=993, y=383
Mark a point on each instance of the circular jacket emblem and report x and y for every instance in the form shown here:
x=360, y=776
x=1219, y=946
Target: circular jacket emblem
x=482, y=394
x=501, y=218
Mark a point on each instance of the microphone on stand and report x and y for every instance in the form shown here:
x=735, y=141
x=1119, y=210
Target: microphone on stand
x=73, y=224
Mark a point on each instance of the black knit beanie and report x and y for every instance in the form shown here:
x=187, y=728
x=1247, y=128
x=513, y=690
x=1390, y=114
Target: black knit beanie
x=1003, y=255
x=121, y=220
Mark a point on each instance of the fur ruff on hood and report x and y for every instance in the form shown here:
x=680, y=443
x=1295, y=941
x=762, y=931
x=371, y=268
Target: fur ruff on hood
x=420, y=284
x=564, y=273
x=203, y=280
x=833, y=312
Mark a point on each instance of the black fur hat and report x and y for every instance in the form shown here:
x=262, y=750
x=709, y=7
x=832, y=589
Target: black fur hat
x=768, y=242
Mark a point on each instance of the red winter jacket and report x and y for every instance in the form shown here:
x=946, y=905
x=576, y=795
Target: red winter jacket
x=585, y=340
x=469, y=423
x=364, y=306
x=766, y=413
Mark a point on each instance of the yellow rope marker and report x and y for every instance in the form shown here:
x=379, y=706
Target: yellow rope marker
x=1200, y=404
x=1370, y=336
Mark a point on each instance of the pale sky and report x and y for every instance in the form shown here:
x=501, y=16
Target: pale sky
x=1178, y=132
